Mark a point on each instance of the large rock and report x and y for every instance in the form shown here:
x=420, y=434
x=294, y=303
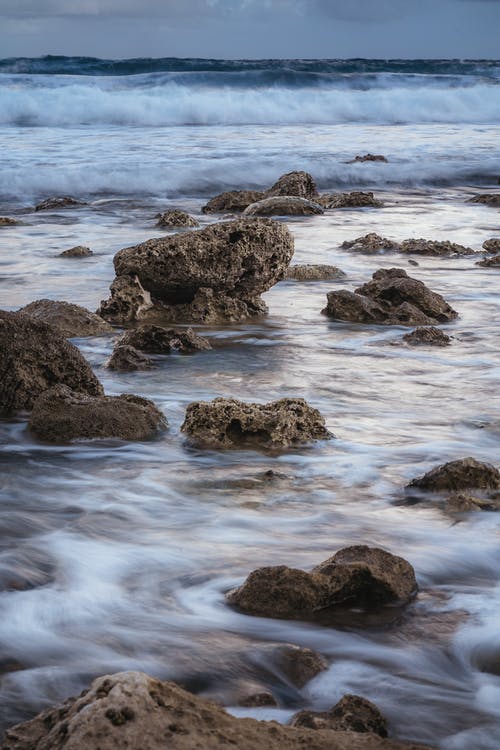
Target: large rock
x=176, y=218
x=158, y=340
x=351, y=714
x=492, y=245
x=488, y=199
x=455, y=476
x=227, y=423
x=429, y=336
x=283, y=206
x=391, y=298
x=434, y=247
x=70, y=320
x=308, y=272
x=61, y=415
x=33, y=358
x=371, y=243
x=363, y=576
x=131, y=711
x=79, y=251
x=233, y=201
x=60, y=202
x=300, y=184
x=355, y=199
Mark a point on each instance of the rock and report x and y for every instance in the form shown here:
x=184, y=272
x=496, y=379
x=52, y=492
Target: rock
x=70, y=320
x=456, y=476
x=366, y=577
x=128, y=302
x=391, y=298
x=371, y=243
x=492, y=246
x=299, y=665
x=300, y=184
x=461, y=502
x=283, y=206
x=60, y=415
x=62, y=202
x=314, y=273
x=158, y=340
x=350, y=714
x=208, y=307
x=33, y=358
x=176, y=218
x=493, y=261
x=76, y=252
x=434, y=247
x=368, y=157
x=488, y=199
x=127, y=359
x=129, y=711
x=430, y=336
x=252, y=695
x=6, y=221
x=227, y=423
x=351, y=200
x=233, y=201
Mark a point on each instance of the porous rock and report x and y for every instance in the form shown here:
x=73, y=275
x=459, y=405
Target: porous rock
x=59, y=202
x=6, y=221
x=253, y=695
x=300, y=184
x=368, y=157
x=61, y=415
x=176, y=218
x=128, y=302
x=130, y=710
x=159, y=340
x=456, y=476
x=313, y=273
x=494, y=260
x=488, y=199
x=371, y=243
x=79, y=251
x=434, y=247
x=355, y=199
x=127, y=359
x=228, y=423
x=492, y=245
x=430, y=336
x=69, y=319
x=283, y=206
x=351, y=714
x=233, y=201
x=390, y=298
x=33, y=358
x=298, y=664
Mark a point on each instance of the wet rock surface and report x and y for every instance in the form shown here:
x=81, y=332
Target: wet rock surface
x=159, y=340
x=129, y=711
x=390, y=298
x=351, y=714
x=70, y=320
x=127, y=358
x=355, y=199
x=79, y=251
x=314, y=273
x=128, y=302
x=427, y=336
x=434, y=247
x=487, y=199
x=283, y=206
x=371, y=243
x=6, y=221
x=65, y=201
x=492, y=245
x=228, y=423
x=298, y=664
x=494, y=260
x=33, y=358
x=61, y=415
x=176, y=218
x=455, y=476
x=232, y=201
x=369, y=157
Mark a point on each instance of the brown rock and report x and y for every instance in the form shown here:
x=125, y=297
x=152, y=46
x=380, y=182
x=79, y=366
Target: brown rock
x=158, y=340
x=176, y=218
x=429, y=336
x=434, y=247
x=60, y=202
x=233, y=201
x=227, y=423
x=493, y=261
x=254, y=696
x=371, y=243
x=70, y=320
x=353, y=307
x=350, y=714
x=61, y=415
x=79, y=251
x=127, y=359
x=33, y=358
x=283, y=206
x=299, y=665
x=355, y=199
x=488, y=199
x=368, y=157
x=6, y=221
x=314, y=273
x=455, y=476
x=128, y=302
x=300, y=184
x=492, y=246
x=460, y=502
x=130, y=711
x=208, y=307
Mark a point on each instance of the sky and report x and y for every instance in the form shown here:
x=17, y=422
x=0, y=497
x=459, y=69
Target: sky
x=251, y=28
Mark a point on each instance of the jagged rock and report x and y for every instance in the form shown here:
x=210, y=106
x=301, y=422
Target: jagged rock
x=60, y=202
x=313, y=273
x=69, y=319
x=158, y=340
x=6, y=221
x=76, y=252
x=371, y=243
x=488, y=199
x=390, y=298
x=128, y=302
x=368, y=157
x=494, y=260
x=299, y=665
x=492, y=246
x=283, y=206
x=351, y=714
x=129, y=711
x=233, y=201
x=434, y=247
x=127, y=359
x=355, y=199
x=430, y=336
x=176, y=218
x=60, y=415
x=227, y=423
x=33, y=358
x=294, y=183
x=367, y=577
x=456, y=476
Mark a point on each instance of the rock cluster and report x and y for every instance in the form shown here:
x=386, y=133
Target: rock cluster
x=79, y=251
x=70, y=320
x=176, y=218
x=371, y=243
x=314, y=273
x=298, y=184
x=126, y=358
x=228, y=423
x=60, y=202
x=429, y=336
x=390, y=298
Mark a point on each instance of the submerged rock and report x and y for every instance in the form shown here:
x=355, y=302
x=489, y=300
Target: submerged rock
x=314, y=273
x=158, y=340
x=129, y=711
x=434, y=247
x=455, y=476
x=127, y=359
x=488, y=199
x=300, y=184
x=69, y=319
x=371, y=243
x=33, y=358
x=227, y=423
x=429, y=336
x=60, y=415
x=59, y=202
x=351, y=714
x=390, y=298
x=492, y=246
x=6, y=221
x=368, y=157
x=233, y=201
x=283, y=206
x=176, y=218
x=494, y=260
x=354, y=199
x=79, y=251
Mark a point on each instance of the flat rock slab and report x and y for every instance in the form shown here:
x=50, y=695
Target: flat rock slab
x=70, y=320
x=60, y=415
x=284, y=206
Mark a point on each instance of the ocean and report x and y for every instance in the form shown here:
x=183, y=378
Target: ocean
x=116, y=556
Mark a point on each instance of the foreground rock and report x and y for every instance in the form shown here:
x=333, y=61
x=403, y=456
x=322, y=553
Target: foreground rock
x=371, y=243
x=130, y=711
x=60, y=202
x=300, y=184
x=214, y=273
x=127, y=359
x=434, y=247
x=176, y=218
x=492, y=246
x=227, y=423
x=6, y=221
x=368, y=157
x=464, y=474
x=33, y=358
x=494, y=260
x=233, y=201
x=158, y=340
x=283, y=206
x=429, y=336
x=350, y=714
x=69, y=320
x=314, y=273
x=488, y=199
x=391, y=298
x=60, y=415
x=79, y=251
x=362, y=576
x=355, y=199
